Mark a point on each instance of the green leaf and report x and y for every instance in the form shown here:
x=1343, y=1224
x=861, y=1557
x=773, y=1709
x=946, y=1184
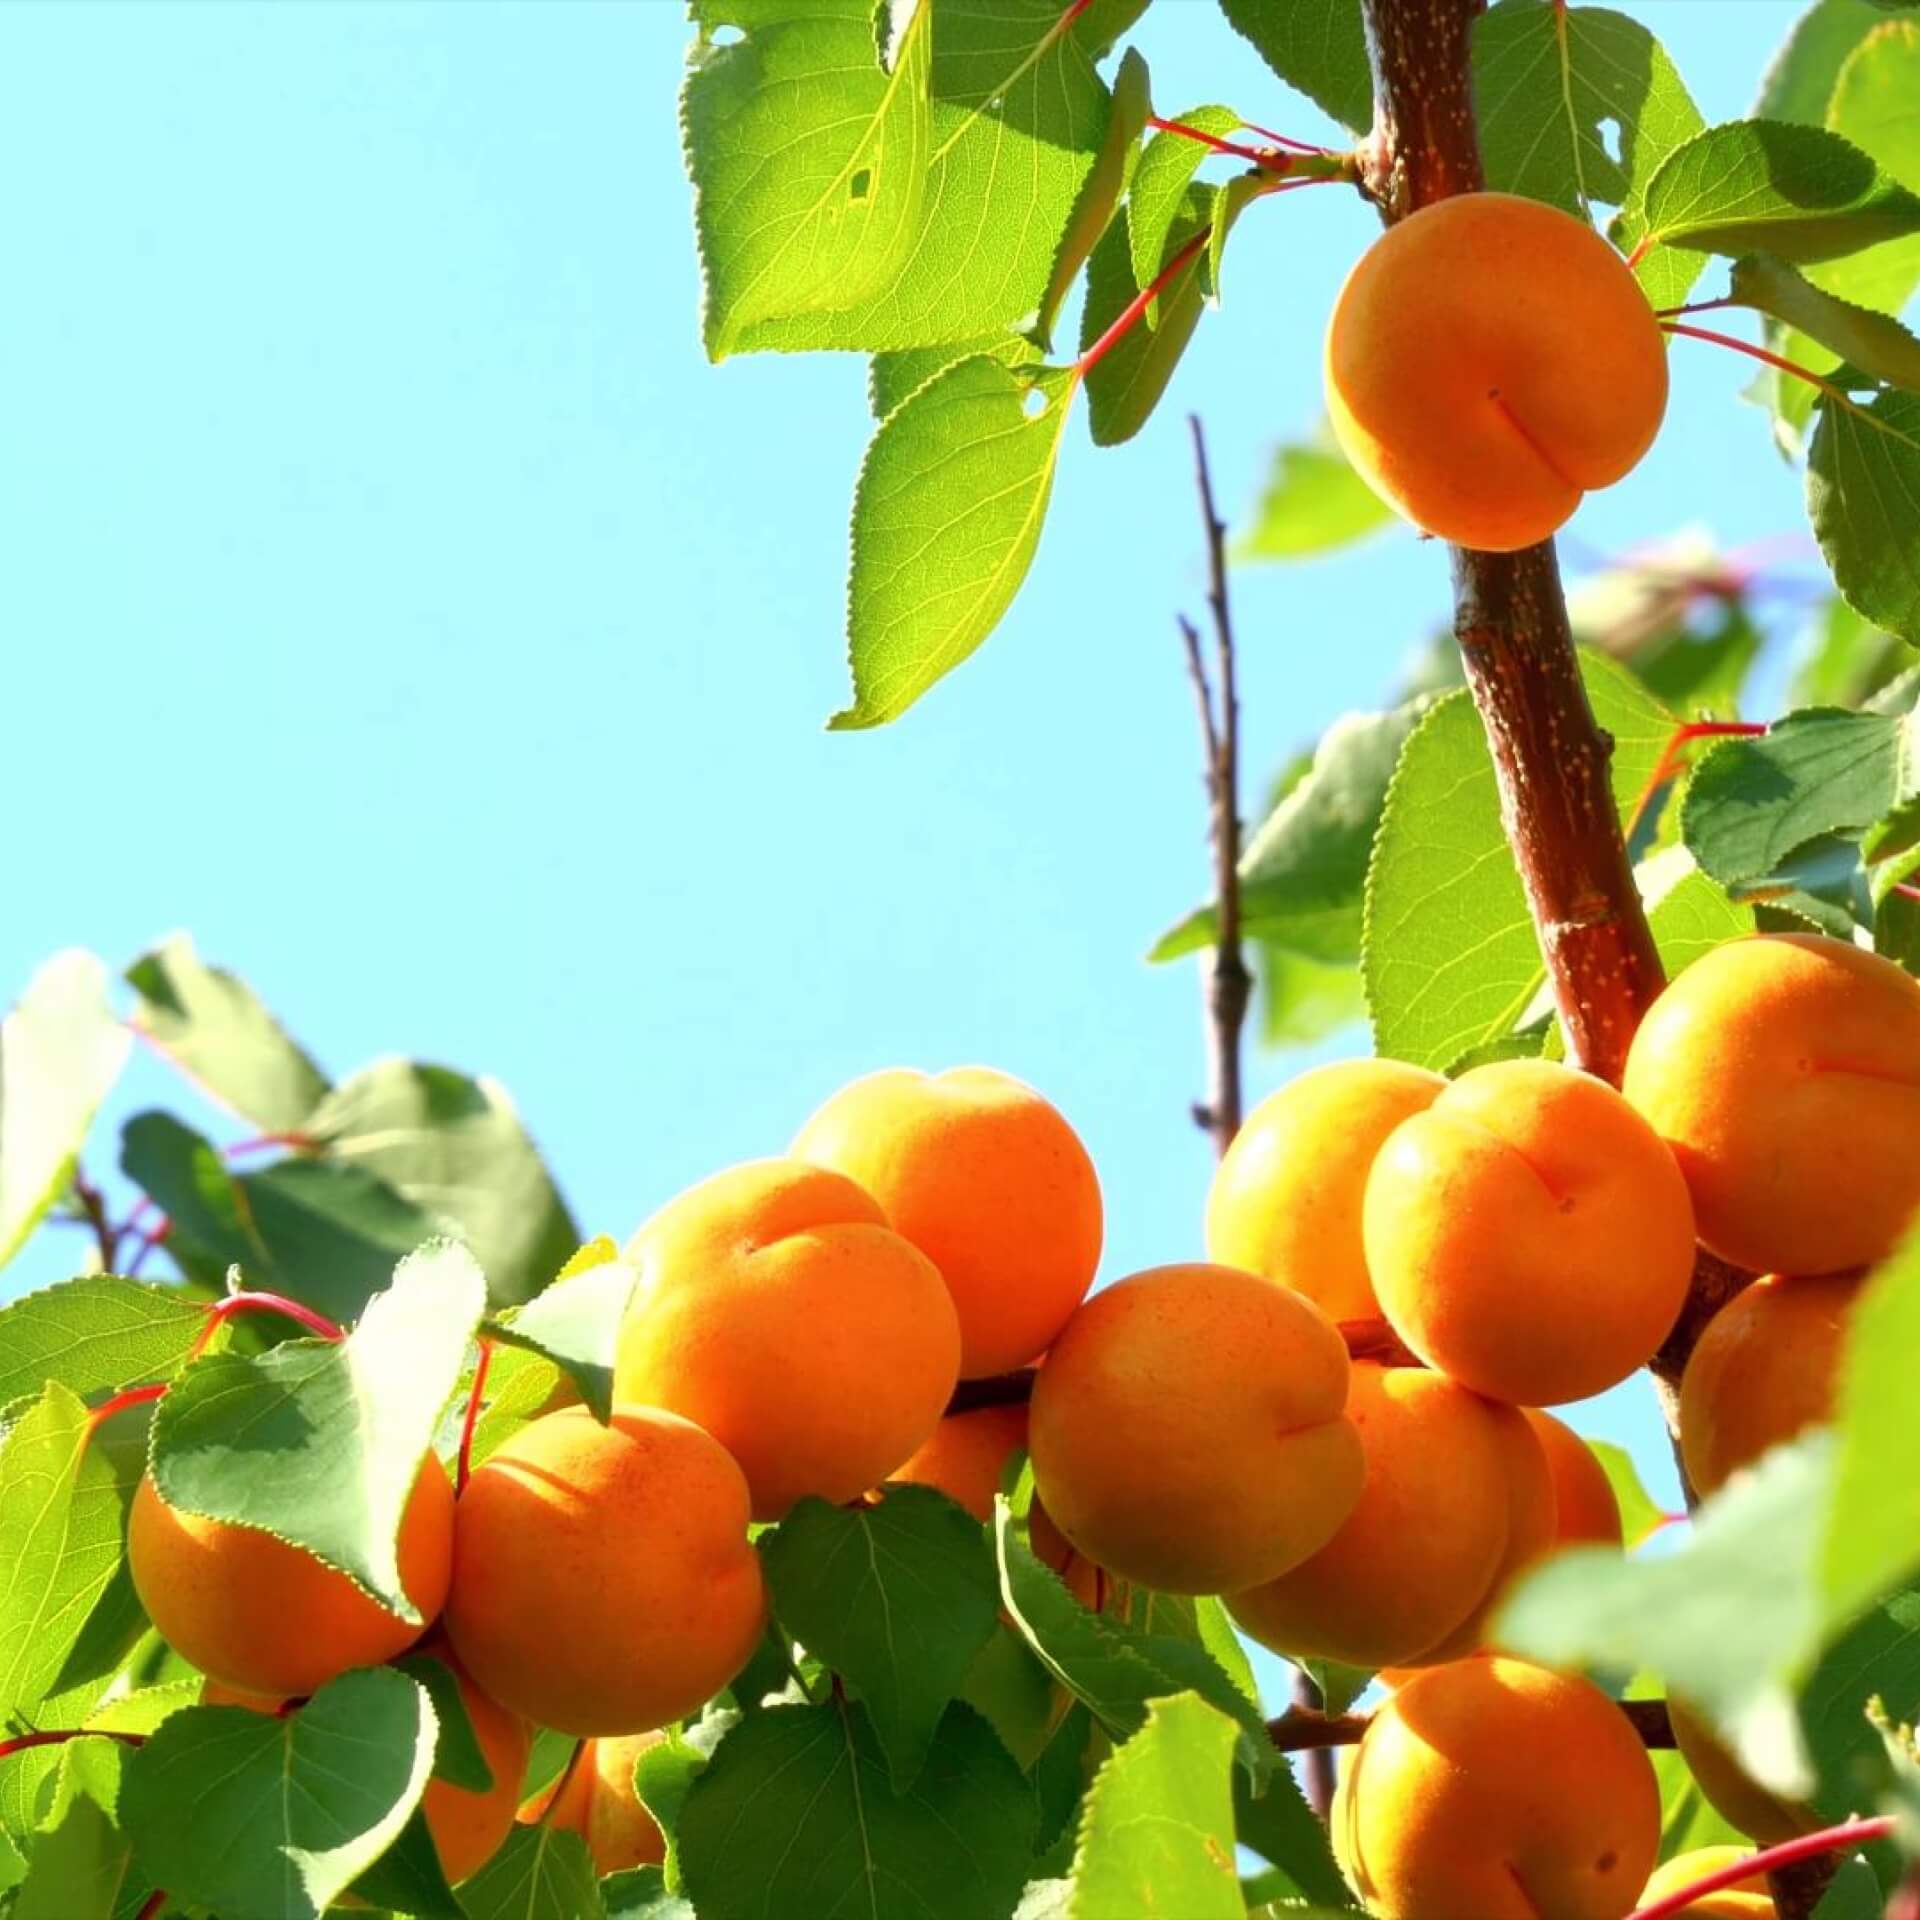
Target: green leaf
x=1160, y=188
x=1875, y=343
x=456, y=1149
x=576, y=1325
x=894, y=377
x=1115, y=1668
x=796, y=1814
x=1877, y=1658
x=1340, y=1685
x=1303, y=874
x=1125, y=384
x=641, y=1894
x=79, y=1860
x=266, y=1818
x=209, y=1023
x=458, y=1757
x=408, y=1877
x=1761, y=186
x=96, y=1332
x=1317, y=47
x=60, y=1051
x=1019, y=118
x=847, y=1581
x=1302, y=1000
x=808, y=156
x=1106, y=186
x=1451, y=960
x=1314, y=502
x=1560, y=92
x=1687, y=913
x=1754, y=803
x=1640, y=1513
x=320, y=1231
x=539, y=1874
x=1811, y=1538
x=946, y=518
x=1156, y=1835
x=1799, y=80
x=1863, y=497
x=60, y=1541
x=321, y=1442
x=1845, y=660
x=664, y=1774
x=1278, y=1825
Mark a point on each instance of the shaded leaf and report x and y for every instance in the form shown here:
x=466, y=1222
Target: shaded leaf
x=318, y=1442
x=1876, y=343
x=1317, y=47
x=78, y=1862
x=946, y=518
x=1863, y=497
x=210, y=1024
x=795, y=1814
x=1759, y=186
x=456, y=1149
x=1302, y=1000
x=576, y=1325
x=271, y=1818
x=897, y=1598
x=1125, y=384
x=60, y=1050
x=1156, y=1834
x=1641, y=1515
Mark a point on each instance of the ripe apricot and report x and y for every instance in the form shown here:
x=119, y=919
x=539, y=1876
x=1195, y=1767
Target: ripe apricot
x=1748, y=1899
x=989, y=1182
x=1187, y=1431
x=1528, y=1234
x=1784, y=1072
x=1452, y=1483
x=596, y=1800
x=1586, y=1512
x=1765, y=1369
x=602, y=1577
x=966, y=1458
x=265, y=1617
x=468, y=1824
x=1285, y=1201
x=778, y=1310
x=1490, y=359
x=1740, y=1801
x=1491, y=1789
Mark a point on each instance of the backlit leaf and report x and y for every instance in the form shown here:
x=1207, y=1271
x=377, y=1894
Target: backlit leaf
x=1863, y=497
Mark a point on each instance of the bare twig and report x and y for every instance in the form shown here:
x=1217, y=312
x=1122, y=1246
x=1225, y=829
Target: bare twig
x=93, y=1205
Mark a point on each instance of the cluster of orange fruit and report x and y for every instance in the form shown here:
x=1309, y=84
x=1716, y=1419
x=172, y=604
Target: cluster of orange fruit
x=799, y=1326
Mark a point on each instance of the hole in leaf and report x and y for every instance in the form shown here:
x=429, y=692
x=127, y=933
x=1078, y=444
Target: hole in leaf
x=1033, y=403
x=1613, y=139
x=860, y=184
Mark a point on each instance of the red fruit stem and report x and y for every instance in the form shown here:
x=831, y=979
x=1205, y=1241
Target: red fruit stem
x=1273, y=162
x=146, y=1244
x=132, y=1397
x=1130, y=314
x=1755, y=353
x=156, y=1901
x=22, y=1741
x=261, y=1142
x=1694, y=306
x=238, y=1303
x=1671, y=755
x=1905, y=891
x=1285, y=140
x=1807, y=1846
x=472, y=1420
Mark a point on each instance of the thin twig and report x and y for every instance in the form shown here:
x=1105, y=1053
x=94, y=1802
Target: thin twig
x=94, y=1206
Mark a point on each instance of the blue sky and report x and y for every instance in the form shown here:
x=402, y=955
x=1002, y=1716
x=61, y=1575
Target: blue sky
x=394, y=597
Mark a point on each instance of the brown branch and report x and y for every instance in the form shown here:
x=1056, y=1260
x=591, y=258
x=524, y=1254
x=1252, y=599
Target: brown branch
x=1798, y=1890
x=1550, y=756
x=1229, y=986
x=1307, y=1730
x=996, y=1390
x=93, y=1206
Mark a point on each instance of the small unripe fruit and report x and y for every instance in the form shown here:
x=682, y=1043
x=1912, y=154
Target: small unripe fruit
x=1784, y=1072
x=1586, y=1511
x=1528, y=1234
x=267, y=1618
x=989, y=1182
x=602, y=1578
x=1748, y=1899
x=1766, y=1368
x=778, y=1310
x=1491, y=359
x=1188, y=1432
x=1456, y=1493
x=1285, y=1202
x=1495, y=1790
x=596, y=1800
